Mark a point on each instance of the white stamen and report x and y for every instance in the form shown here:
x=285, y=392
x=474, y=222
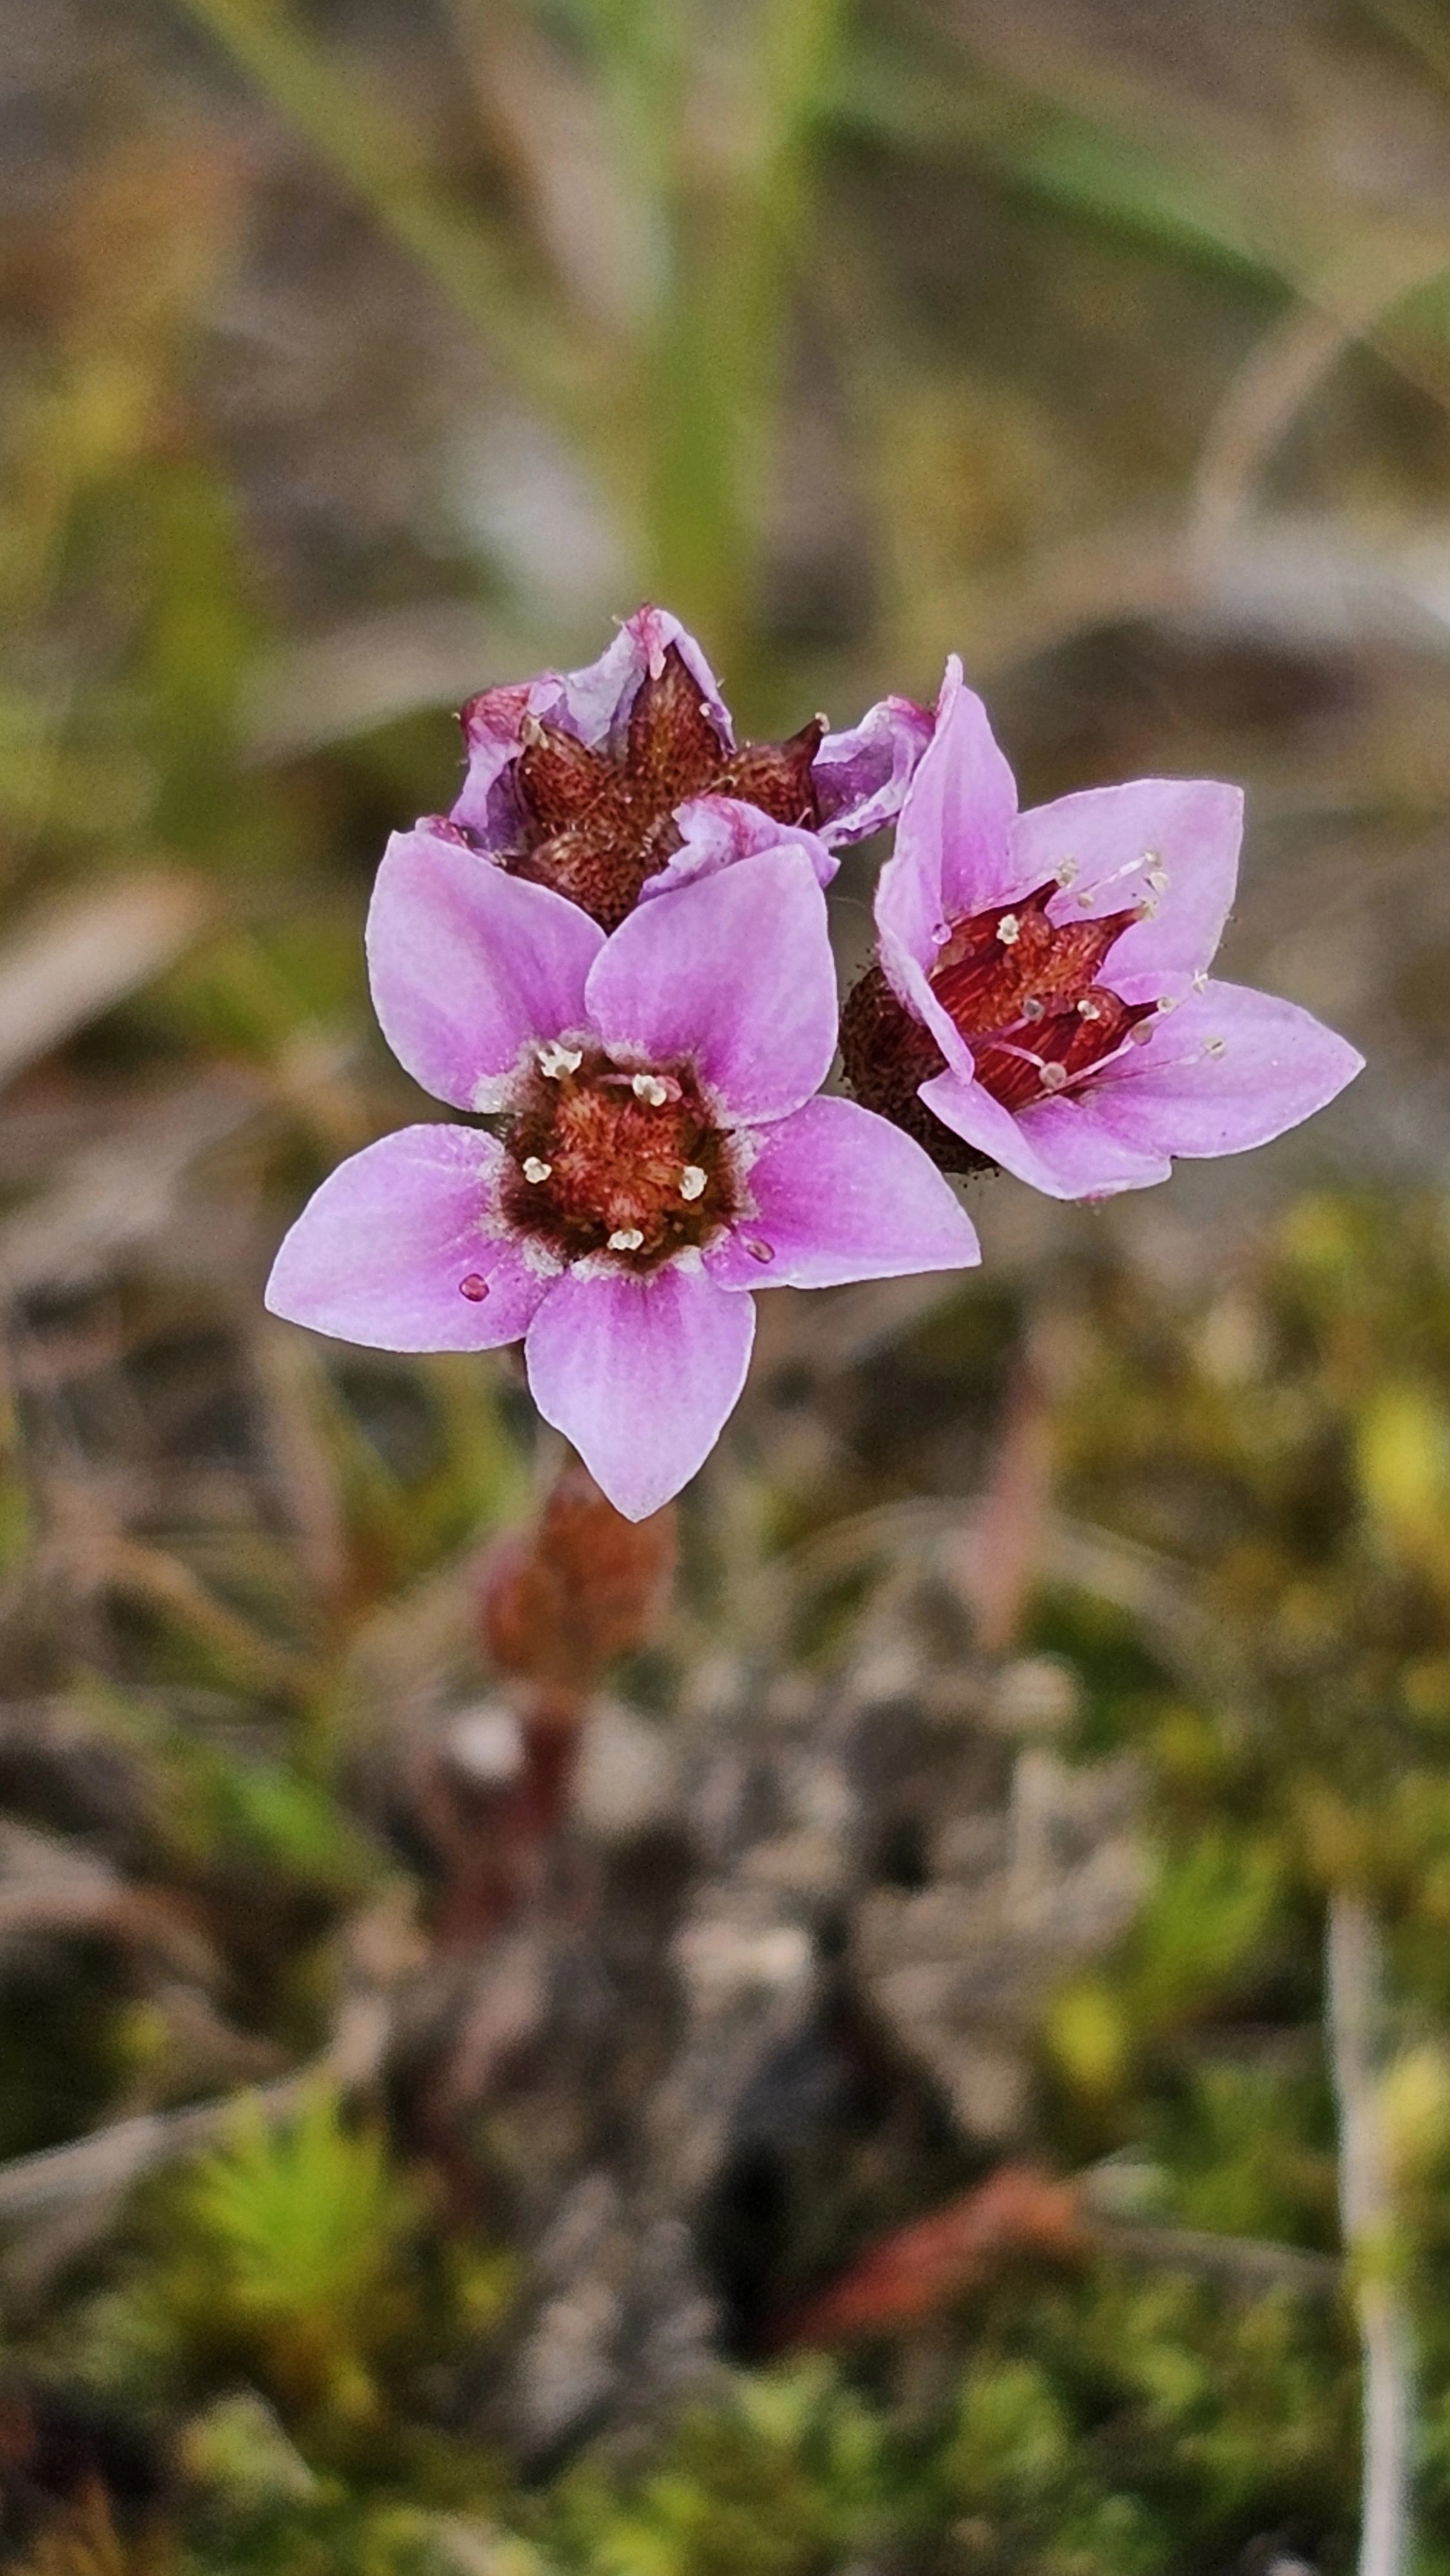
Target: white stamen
x=1088, y=1009
x=625, y=1238
x=1032, y=1008
x=1140, y=1034
x=534, y=1170
x=693, y=1180
x=1009, y=929
x=1052, y=1076
x=649, y=1088
x=1066, y=872
x=556, y=1059
x=1216, y=1046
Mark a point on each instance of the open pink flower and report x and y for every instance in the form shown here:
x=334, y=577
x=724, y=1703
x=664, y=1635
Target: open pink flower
x=1043, y=1000
x=660, y=1152
x=589, y=781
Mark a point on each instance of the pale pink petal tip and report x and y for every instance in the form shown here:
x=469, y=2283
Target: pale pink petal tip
x=641, y=1375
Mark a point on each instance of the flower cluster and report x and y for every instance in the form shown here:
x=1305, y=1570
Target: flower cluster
x=615, y=950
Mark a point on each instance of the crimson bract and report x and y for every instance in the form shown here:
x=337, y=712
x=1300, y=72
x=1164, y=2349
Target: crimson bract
x=590, y=781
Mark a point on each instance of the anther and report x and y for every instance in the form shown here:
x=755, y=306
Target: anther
x=1088, y=1009
x=1033, y=1009
x=1052, y=1076
x=1066, y=872
x=693, y=1180
x=556, y=1059
x=536, y=1171
x=474, y=1288
x=1009, y=929
x=757, y=1250
x=1155, y=873
x=654, y=1092
x=626, y=1238
x=1141, y=1033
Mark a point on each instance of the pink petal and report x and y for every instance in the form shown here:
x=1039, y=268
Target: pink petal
x=720, y=830
x=641, y=1375
x=1066, y=1158
x=910, y=986
x=593, y=703
x=1225, y=1070
x=379, y=1251
x=468, y=965
x=1169, y=842
x=596, y=701
x=840, y=1194
x=862, y=776
x=953, y=842
x=735, y=972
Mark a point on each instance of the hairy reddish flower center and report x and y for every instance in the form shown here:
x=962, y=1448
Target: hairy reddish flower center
x=608, y=1159
x=1022, y=991
x=599, y=822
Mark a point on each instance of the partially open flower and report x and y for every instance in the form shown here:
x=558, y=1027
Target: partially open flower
x=589, y=781
x=1042, y=999
x=659, y=1151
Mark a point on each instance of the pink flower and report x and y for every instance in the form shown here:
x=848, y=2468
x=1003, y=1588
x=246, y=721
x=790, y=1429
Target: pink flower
x=1043, y=1000
x=660, y=1152
x=590, y=781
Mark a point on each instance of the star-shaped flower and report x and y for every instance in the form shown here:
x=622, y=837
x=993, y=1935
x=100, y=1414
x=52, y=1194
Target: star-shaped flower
x=1042, y=998
x=590, y=781
x=660, y=1152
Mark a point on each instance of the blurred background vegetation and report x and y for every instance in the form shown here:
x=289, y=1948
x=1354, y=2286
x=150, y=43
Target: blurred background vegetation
x=358, y=354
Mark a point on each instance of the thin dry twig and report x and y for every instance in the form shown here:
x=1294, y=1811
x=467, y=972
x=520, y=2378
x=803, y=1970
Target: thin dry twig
x=1355, y=1975
x=1283, y=371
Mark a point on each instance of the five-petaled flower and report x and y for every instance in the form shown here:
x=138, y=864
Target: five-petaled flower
x=1042, y=999
x=624, y=779
x=660, y=1149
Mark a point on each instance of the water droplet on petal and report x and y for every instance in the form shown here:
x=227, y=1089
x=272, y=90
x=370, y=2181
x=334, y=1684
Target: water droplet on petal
x=474, y=1288
x=757, y=1250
